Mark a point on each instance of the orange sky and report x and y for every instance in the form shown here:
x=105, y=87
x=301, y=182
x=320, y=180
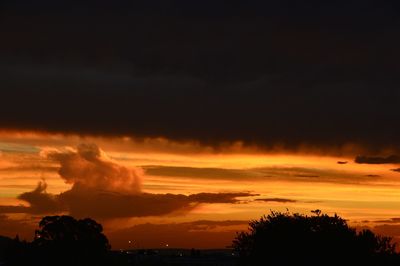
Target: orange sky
x=202, y=193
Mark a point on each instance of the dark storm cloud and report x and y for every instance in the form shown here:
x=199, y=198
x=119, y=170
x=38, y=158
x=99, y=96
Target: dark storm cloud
x=322, y=73
x=392, y=159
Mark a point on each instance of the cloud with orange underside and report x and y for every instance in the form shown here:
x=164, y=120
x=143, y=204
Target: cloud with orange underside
x=101, y=188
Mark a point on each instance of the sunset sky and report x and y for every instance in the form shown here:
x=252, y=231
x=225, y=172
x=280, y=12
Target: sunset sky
x=175, y=123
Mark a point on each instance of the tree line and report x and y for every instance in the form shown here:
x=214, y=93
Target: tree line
x=275, y=239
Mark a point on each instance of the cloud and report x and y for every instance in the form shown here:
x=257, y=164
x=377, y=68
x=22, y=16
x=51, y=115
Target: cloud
x=88, y=166
x=14, y=209
x=262, y=173
x=280, y=200
x=195, y=172
x=29, y=168
x=300, y=78
x=102, y=188
x=82, y=201
x=392, y=159
x=395, y=220
x=88, y=202
x=40, y=201
x=395, y=170
x=342, y=162
x=219, y=197
x=307, y=176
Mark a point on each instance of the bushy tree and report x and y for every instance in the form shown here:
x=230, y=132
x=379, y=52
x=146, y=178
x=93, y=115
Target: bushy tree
x=74, y=242
x=319, y=239
x=62, y=240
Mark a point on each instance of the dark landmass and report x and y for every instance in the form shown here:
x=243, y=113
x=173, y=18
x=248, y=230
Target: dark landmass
x=276, y=239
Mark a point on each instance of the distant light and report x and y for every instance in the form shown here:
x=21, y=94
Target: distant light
x=166, y=245
x=129, y=241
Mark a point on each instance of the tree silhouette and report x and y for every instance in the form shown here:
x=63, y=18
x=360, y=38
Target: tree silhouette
x=62, y=240
x=65, y=240
x=320, y=239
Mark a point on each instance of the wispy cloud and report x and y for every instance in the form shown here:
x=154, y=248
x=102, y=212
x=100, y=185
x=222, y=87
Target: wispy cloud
x=261, y=173
x=280, y=200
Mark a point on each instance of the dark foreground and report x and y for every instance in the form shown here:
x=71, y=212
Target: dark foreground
x=220, y=257
x=275, y=239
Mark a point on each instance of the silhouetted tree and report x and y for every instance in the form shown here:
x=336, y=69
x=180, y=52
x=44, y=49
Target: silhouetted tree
x=62, y=240
x=320, y=239
x=65, y=240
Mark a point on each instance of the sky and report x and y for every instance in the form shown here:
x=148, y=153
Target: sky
x=176, y=123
